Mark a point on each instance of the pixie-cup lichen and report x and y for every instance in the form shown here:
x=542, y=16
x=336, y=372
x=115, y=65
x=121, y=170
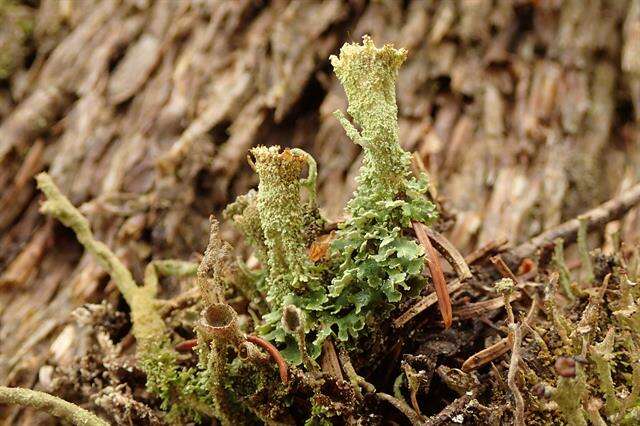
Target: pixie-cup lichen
x=297, y=300
x=373, y=259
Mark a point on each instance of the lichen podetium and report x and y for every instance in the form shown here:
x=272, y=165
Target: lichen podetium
x=374, y=259
x=376, y=254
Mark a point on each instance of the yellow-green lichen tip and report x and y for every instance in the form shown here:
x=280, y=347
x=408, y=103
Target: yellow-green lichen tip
x=355, y=60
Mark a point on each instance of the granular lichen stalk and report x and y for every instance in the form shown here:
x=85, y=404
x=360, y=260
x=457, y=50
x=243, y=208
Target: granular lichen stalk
x=53, y=405
x=368, y=75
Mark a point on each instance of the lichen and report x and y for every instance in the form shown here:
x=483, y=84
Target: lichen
x=374, y=260
x=180, y=390
x=597, y=377
x=369, y=265
x=377, y=258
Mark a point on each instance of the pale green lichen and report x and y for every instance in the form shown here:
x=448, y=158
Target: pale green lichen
x=569, y=396
x=602, y=356
x=374, y=260
x=246, y=217
x=180, y=390
x=561, y=267
x=282, y=219
x=377, y=257
x=53, y=405
x=368, y=75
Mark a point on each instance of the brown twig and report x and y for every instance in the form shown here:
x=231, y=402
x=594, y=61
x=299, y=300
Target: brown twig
x=453, y=256
x=502, y=267
x=444, y=302
x=424, y=303
x=478, y=309
x=282, y=365
x=413, y=417
x=511, y=376
x=499, y=348
x=485, y=250
x=596, y=218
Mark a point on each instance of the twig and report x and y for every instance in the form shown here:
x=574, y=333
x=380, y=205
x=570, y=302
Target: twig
x=282, y=365
x=444, y=302
x=502, y=267
x=478, y=309
x=423, y=304
x=485, y=250
x=499, y=348
x=511, y=376
x=595, y=218
x=413, y=417
x=55, y=406
x=450, y=253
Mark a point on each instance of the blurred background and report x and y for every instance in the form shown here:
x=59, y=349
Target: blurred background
x=524, y=113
